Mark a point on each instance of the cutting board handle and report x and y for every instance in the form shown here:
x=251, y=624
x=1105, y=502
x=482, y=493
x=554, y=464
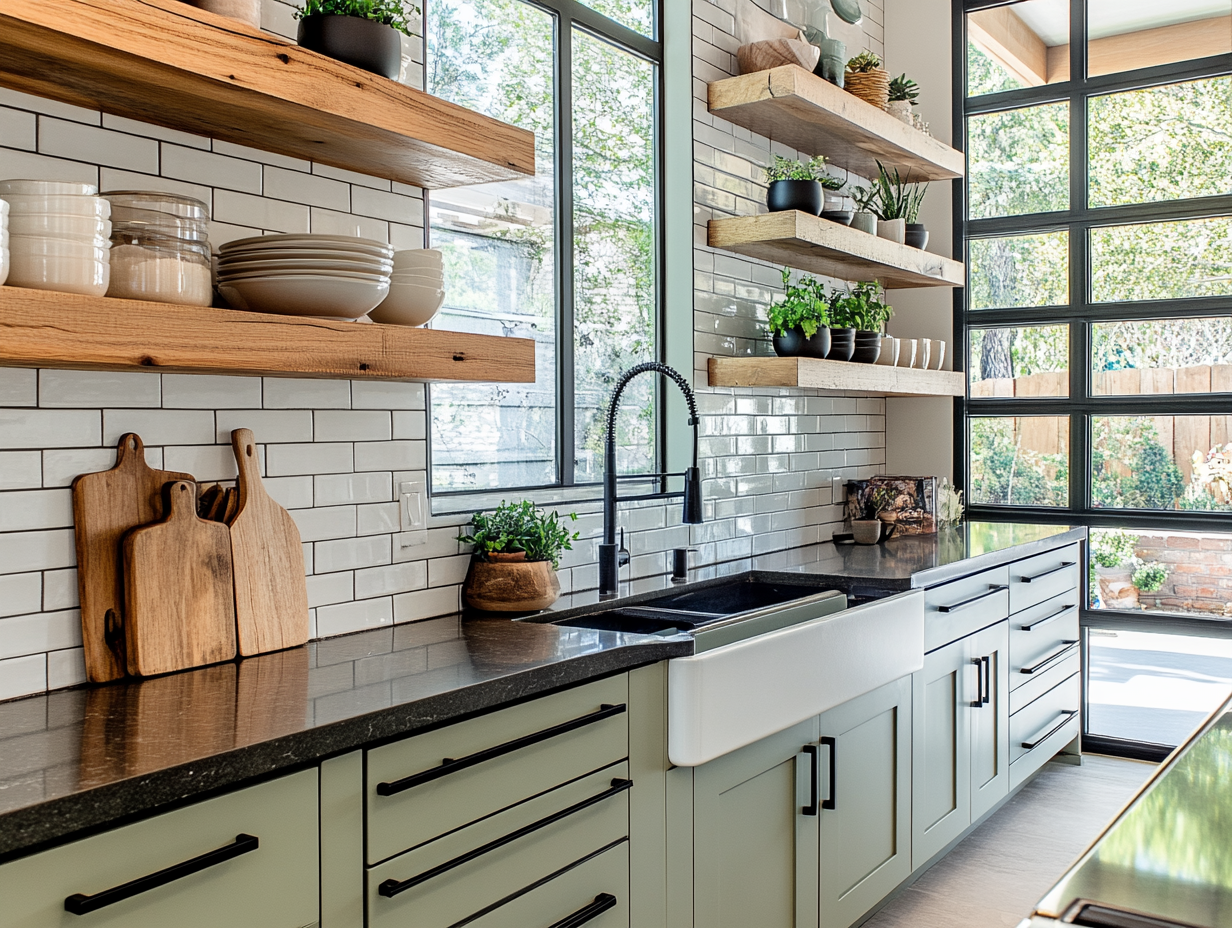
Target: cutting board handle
x=249, y=465
x=180, y=501
x=130, y=452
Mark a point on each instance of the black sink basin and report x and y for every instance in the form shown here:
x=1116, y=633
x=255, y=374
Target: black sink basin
x=742, y=595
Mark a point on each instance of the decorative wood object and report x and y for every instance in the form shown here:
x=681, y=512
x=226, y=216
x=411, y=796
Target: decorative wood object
x=165, y=62
x=873, y=87
x=179, y=590
x=760, y=56
x=41, y=328
x=105, y=506
x=271, y=594
x=820, y=246
x=510, y=583
x=834, y=377
x=799, y=109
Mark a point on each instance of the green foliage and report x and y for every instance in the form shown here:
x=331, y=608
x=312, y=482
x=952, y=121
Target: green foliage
x=1130, y=469
x=903, y=88
x=789, y=169
x=879, y=501
x=864, y=62
x=831, y=183
x=890, y=197
x=804, y=306
x=861, y=308
x=1112, y=548
x=1150, y=577
x=515, y=527
x=388, y=12
x=1004, y=473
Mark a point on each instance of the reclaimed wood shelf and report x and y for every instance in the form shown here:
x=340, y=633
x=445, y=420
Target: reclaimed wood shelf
x=42, y=328
x=843, y=377
x=819, y=246
x=168, y=63
x=795, y=107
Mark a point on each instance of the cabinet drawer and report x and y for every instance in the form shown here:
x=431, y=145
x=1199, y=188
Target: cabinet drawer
x=1036, y=685
x=956, y=610
x=1038, y=633
x=1042, y=577
x=269, y=883
x=467, y=872
x=1032, y=726
x=594, y=894
x=430, y=784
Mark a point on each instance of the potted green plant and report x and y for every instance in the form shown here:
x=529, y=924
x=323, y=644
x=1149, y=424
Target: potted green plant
x=867, y=79
x=865, y=218
x=835, y=207
x=867, y=529
x=516, y=555
x=1111, y=578
x=903, y=94
x=796, y=185
x=1149, y=576
x=863, y=309
x=896, y=203
x=363, y=33
x=798, y=323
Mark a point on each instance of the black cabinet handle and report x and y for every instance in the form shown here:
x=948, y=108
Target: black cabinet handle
x=1050, y=659
x=602, y=903
x=391, y=888
x=1066, y=718
x=1047, y=573
x=80, y=904
x=1047, y=620
x=811, y=809
x=453, y=765
x=955, y=607
x=1106, y=916
x=979, y=682
x=831, y=801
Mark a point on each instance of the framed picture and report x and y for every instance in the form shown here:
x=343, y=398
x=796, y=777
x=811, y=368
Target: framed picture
x=912, y=508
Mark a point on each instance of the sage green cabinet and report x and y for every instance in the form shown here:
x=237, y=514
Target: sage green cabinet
x=865, y=814
x=988, y=652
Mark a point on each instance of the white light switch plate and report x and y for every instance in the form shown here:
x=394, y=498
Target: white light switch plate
x=413, y=499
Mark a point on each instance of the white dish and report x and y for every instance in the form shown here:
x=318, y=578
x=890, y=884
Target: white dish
x=46, y=188
x=306, y=255
x=63, y=204
x=4, y=265
x=66, y=249
x=301, y=264
x=304, y=272
x=419, y=275
x=60, y=225
x=409, y=305
x=419, y=256
x=43, y=272
x=305, y=296
x=343, y=243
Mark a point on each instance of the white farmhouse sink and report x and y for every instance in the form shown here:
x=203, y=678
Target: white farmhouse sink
x=731, y=696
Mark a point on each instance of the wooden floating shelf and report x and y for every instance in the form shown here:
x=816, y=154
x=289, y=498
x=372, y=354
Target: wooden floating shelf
x=41, y=328
x=793, y=106
x=834, y=377
x=168, y=63
x=820, y=246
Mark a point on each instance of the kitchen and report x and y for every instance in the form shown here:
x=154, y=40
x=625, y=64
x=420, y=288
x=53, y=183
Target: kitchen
x=301, y=746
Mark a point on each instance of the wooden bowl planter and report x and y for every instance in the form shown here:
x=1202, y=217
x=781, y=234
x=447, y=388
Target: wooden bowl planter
x=510, y=583
x=872, y=87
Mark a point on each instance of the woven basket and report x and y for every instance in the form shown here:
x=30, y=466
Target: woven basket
x=870, y=86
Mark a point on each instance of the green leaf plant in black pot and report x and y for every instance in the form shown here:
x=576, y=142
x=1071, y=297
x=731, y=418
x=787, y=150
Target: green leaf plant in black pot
x=796, y=185
x=859, y=315
x=799, y=322
x=363, y=33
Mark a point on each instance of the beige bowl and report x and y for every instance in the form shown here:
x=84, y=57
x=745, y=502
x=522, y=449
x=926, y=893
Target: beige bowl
x=306, y=265
x=330, y=243
x=419, y=256
x=61, y=204
x=305, y=295
x=60, y=225
x=409, y=304
x=42, y=188
x=48, y=272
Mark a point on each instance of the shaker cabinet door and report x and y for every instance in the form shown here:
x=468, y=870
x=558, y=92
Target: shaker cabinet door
x=990, y=720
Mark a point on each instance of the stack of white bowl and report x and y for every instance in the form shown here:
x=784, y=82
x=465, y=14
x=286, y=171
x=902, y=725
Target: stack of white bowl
x=326, y=276
x=4, y=240
x=417, y=290
x=59, y=236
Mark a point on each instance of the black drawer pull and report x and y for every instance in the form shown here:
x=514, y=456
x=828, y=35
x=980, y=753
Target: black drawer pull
x=811, y=808
x=602, y=903
x=451, y=765
x=1106, y=916
x=954, y=607
x=832, y=801
x=1047, y=620
x=1048, y=573
x=1050, y=659
x=391, y=888
x=81, y=904
x=1067, y=716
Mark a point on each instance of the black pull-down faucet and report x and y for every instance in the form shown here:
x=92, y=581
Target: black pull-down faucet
x=612, y=556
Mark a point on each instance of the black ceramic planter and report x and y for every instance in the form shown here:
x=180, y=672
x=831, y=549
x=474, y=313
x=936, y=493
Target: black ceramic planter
x=842, y=344
x=818, y=346
x=790, y=344
x=361, y=42
x=917, y=235
x=867, y=348
x=804, y=195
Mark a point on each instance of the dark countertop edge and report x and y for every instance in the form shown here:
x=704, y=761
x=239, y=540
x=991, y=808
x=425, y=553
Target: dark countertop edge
x=56, y=821
x=973, y=565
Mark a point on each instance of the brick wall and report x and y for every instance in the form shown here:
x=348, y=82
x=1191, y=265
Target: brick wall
x=1199, y=572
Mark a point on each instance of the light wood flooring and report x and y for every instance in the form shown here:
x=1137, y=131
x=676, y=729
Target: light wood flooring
x=994, y=878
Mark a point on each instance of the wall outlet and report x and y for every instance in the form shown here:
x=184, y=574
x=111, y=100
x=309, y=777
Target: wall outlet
x=838, y=489
x=413, y=499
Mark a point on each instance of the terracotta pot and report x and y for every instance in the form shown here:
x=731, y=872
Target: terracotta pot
x=246, y=11
x=510, y=583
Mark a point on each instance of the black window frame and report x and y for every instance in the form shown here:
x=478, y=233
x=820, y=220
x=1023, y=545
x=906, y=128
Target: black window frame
x=1078, y=316
x=568, y=15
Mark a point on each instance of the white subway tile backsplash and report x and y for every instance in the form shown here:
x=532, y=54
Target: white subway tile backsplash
x=265, y=157
x=20, y=470
x=378, y=519
x=380, y=394
x=350, y=177
x=390, y=455
x=290, y=492
x=21, y=594
x=18, y=129
x=275, y=426
x=354, y=617
x=66, y=668
x=39, y=633
x=352, y=425
x=204, y=462
x=22, y=676
x=330, y=589
x=98, y=388
x=244, y=209
x=60, y=590
x=25, y=164
x=291, y=393
x=28, y=510
x=43, y=428
x=150, y=131
x=387, y=581
x=18, y=386
x=206, y=167
x=351, y=554
x=62, y=467
x=207, y=391
x=319, y=458
x=160, y=426
x=26, y=101
x=323, y=524
x=424, y=604
x=312, y=189
x=391, y=206
x=340, y=489
x=118, y=179
x=331, y=222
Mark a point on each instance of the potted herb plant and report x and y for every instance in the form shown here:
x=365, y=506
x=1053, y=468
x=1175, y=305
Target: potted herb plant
x=798, y=323
x=867, y=530
x=903, y=93
x=867, y=79
x=516, y=555
x=363, y=33
x=863, y=309
x=796, y=185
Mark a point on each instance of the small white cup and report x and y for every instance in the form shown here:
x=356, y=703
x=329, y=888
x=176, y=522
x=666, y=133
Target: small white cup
x=923, y=355
x=938, y=354
x=906, y=352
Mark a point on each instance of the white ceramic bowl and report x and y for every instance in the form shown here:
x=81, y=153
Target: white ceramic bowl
x=4, y=210
x=304, y=272
x=310, y=265
x=60, y=225
x=42, y=272
x=305, y=296
x=419, y=256
x=65, y=249
x=331, y=243
x=46, y=188
x=62, y=204
x=4, y=265
x=409, y=304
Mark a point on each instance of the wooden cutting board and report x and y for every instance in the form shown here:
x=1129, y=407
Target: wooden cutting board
x=271, y=593
x=179, y=590
x=105, y=506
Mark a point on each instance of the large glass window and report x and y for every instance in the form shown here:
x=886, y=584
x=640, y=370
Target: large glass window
x=569, y=257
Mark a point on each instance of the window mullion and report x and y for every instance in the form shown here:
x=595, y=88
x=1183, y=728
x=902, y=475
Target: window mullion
x=1079, y=265
x=565, y=389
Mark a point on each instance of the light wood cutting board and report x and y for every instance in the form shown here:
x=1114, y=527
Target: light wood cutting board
x=105, y=506
x=179, y=590
x=271, y=593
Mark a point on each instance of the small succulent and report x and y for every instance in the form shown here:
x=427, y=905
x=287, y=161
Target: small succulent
x=904, y=88
x=864, y=62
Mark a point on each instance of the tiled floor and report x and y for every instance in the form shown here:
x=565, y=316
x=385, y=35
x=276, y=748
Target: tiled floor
x=995, y=877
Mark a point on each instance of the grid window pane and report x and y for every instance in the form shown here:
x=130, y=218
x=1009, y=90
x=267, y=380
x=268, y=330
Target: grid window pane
x=1125, y=36
x=1153, y=570
x=1018, y=161
x=1020, y=461
x=1030, y=361
x=1162, y=356
x=638, y=15
x=1018, y=271
x=1016, y=46
x=1162, y=260
x=1163, y=143
x=1162, y=463
x=614, y=251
